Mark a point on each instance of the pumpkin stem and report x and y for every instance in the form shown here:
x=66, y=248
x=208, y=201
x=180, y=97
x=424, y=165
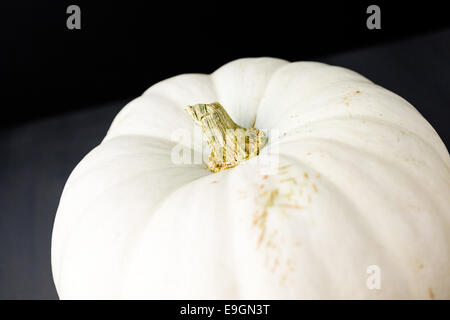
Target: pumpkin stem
x=230, y=143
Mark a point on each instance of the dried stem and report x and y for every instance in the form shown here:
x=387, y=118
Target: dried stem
x=230, y=143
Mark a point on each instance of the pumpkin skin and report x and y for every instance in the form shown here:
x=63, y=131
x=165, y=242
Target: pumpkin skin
x=363, y=179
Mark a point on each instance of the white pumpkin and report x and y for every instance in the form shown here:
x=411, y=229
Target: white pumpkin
x=363, y=185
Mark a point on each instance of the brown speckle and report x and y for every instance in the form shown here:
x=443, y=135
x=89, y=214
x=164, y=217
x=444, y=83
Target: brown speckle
x=289, y=179
x=288, y=195
x=431, y=293
x=357, y=91
x=283, y=278
x=261, y=218
x=314, y=187
x=269, y=244
x=305, y=175
x=263, y=194
x=275, y=264
x=265, y=177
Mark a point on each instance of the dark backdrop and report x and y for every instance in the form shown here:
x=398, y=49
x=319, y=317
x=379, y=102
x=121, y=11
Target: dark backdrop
x=124, y=46
x=60, y=88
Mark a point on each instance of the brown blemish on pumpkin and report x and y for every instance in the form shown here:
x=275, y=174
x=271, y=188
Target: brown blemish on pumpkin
x=274, y=247
x=270, y=244
x=265, y=177
x=260, y=220
x=346, y=101
x=305, y=175
x=263, y=194
x=289, y=179
x=275, y=264
x=347, y=98
x=289, y=195
x=261, y=236
x=431, y=293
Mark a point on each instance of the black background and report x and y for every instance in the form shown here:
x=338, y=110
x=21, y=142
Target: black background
x=125, y=46
x=60, y=88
